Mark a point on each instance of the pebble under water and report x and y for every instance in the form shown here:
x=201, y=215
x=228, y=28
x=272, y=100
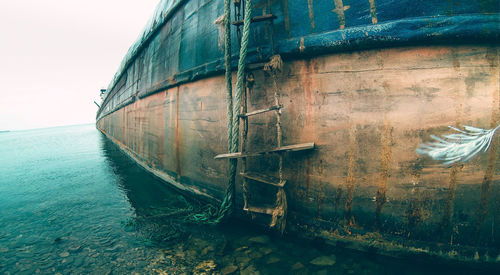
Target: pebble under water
x=72, y=203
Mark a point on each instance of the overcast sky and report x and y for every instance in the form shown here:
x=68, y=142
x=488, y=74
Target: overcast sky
x=55, y=55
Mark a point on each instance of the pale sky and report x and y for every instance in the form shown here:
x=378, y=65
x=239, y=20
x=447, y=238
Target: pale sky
x=55, y=55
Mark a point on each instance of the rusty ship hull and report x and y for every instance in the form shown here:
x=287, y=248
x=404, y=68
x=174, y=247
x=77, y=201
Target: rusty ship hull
x=367, y=84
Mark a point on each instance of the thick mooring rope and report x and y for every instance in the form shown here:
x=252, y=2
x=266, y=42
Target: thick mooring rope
x=233, y=109
x=240, y=77
x=226, y=207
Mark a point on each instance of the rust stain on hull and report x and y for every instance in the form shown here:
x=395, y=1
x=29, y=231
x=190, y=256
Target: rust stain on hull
x=486, y=186
x=373, y=11
x=178, y=140
x=446, y=221
x=460, y=97
x=310, y=6
x=385, y=164
x=367, y=118
x=482, y=212
x=339, y=10
x=351, y=177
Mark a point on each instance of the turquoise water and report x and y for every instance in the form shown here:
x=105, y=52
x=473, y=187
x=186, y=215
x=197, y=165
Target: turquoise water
x=72, y=203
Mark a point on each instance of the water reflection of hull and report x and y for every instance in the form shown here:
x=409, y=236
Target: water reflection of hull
x=159, y=212
x=367, y=112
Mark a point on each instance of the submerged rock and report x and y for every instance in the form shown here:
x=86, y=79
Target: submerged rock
x=243, y=261
x=273, y=260
x=180, y=254
x=324, y=260
x=205, y=267
x=266, y=250
x=263, y=239
x=113, y=248
x=207, y=250
x=256, y=254
x=241, y=248
x=229, y=269
x=64, y=254
x=250, y=270
x=297, y=266
x=69, y=260
x=75, y=248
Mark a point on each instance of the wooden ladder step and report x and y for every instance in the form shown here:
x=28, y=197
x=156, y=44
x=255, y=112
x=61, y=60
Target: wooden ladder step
x=264, y=179
x=256, y=19
x=288, y=148
x=261, y=210
x=272, y=108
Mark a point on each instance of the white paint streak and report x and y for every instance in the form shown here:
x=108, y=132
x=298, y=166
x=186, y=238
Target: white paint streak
x=458, y=147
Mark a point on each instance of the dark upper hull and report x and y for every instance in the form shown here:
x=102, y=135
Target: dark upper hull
x=180, y=43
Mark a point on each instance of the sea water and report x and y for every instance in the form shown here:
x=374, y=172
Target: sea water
x=72, y=203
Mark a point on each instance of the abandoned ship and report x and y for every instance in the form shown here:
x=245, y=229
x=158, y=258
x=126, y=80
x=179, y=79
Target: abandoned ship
x=368, y=124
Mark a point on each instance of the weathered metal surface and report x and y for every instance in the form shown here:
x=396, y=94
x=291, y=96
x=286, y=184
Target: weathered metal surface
x=366, y=108
x=367, y=112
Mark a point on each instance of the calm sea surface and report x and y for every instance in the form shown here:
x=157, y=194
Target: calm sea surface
x=72, y=203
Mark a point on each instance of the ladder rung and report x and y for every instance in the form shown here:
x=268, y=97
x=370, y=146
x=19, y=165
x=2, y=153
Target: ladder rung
x=256, y=19
x=264, y=179
x=261, y=210
x=288, y=148
x=272, y=108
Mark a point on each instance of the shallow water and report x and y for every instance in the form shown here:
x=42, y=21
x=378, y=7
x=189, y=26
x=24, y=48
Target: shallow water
x=72, y=203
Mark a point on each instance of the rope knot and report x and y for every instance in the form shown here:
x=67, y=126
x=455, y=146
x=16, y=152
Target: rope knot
x=275, y=65
x=278, y=219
